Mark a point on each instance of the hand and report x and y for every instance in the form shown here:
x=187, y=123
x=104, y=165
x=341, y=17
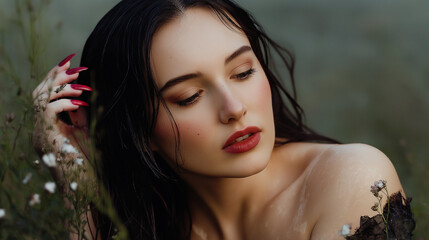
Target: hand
x=51, y=135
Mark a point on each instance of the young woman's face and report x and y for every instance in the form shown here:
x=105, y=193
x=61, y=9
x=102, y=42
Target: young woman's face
x=218, y=94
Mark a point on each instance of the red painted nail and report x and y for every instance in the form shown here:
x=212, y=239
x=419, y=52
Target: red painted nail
x=80, y=87
x=65, y=60
x=75, y=70
x=79, y=103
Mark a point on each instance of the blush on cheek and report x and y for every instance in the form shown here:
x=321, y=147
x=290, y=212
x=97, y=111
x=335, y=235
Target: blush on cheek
x=191, y=133
x=262, y=98
x=163, y=134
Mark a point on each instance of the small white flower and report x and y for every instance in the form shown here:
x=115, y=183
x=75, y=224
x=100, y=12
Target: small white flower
x=66, y=140
x=50, y=187
x=49, y=160
x=79, y=161
x=380, y=184
x=34, y=199
x=68, y=148
x=36, y=162
x=73, y=186
x=345, y=230
x=2, y=213
x=27, y=178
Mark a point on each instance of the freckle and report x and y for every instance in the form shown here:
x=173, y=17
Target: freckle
x=198, y=134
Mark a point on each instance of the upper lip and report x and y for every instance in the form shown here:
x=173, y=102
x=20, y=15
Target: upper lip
x=234, y=136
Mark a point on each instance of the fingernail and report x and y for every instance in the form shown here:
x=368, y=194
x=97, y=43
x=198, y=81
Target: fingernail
x=75, y=70
x=79, y=103
x=80, y=87
x=68, y=58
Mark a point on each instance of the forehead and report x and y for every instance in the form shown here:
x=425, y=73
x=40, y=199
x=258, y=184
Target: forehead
x=193, y=42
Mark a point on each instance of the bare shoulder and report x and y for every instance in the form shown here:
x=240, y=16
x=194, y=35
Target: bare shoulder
x=357, y=158
x=357, y=165
x=339, y=182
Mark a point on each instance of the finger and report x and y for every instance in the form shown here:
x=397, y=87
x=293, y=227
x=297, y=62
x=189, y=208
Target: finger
x=63, y=65
x=64, y=77
x=42, y=87
x=59, y=79
x=47, y=83
x=69, y=90
x=66, y=61
x=61, y=105
x=42, y=99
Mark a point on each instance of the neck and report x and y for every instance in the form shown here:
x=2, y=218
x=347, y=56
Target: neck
x=228, y=203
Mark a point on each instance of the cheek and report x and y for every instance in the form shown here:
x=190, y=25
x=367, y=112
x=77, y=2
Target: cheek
x=261, y=96
x=261, y=104
x=162, y=133
x=192, y=132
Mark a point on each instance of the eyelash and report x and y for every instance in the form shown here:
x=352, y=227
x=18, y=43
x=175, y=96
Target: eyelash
x=241, y=76
x=245, y=75
x=189, y=100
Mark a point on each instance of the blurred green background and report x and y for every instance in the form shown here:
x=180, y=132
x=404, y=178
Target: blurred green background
x=362, y=71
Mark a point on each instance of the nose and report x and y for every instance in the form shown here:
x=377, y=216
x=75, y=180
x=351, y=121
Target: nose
x=232, y=108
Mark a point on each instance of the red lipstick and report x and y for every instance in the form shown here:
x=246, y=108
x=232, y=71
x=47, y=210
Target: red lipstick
x=243, y=141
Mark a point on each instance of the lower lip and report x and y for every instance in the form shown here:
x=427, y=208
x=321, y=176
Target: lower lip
x=245, y=145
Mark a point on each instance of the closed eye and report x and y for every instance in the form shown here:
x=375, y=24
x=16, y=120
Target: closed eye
x=189, y=100
x=192, y=99
x=245, y=75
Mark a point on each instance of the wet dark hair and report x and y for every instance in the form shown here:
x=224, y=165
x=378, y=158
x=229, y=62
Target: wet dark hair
x=148, y=195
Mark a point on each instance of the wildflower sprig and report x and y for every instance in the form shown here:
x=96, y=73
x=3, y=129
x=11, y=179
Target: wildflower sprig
x=378, y=190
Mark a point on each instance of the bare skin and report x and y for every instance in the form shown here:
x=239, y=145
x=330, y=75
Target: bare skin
x=322, y=187
x=292, y=191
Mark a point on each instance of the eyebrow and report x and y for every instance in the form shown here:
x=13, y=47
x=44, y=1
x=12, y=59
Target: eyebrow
x=186, y=77
x=178, y=80
x=237, y=53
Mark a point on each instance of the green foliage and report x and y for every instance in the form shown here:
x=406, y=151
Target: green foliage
x=21, y=46
x=30, y=210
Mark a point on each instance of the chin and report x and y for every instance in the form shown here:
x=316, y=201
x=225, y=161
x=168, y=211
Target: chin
x=249, y=166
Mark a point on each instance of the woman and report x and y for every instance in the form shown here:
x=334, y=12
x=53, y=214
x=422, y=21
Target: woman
x=198, y=138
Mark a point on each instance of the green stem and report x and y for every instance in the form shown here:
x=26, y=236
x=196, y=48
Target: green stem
x=388, y=212
x=380, y=211
x=19, y=131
